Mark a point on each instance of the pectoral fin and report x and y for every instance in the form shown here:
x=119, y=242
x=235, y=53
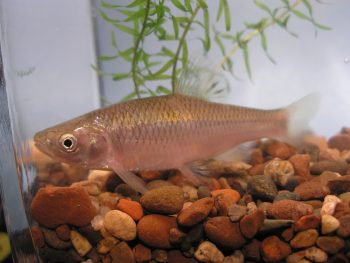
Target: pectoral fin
x=197, y=180
x=131, y=179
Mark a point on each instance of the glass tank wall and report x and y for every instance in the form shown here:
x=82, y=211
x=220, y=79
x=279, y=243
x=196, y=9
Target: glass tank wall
x=62, y=59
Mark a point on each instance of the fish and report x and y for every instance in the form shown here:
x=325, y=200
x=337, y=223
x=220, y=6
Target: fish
x=166, y=132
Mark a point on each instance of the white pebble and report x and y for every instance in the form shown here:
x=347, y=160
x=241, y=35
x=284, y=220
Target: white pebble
x=329, y=204
x=97, y=222
x=251, y=208
x=236, y=257
x=316, y=255
x=329, y=224
x=279, y=170
x=120, y=225
x=208, y=252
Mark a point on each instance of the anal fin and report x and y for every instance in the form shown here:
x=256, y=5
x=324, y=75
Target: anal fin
x=131, y=179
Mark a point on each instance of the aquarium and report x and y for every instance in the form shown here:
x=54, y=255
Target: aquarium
x=175, y=131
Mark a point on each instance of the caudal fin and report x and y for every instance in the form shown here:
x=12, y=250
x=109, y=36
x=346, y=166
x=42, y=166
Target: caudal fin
x=300, y=113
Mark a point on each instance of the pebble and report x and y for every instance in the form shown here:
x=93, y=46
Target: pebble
x=339, y=166
x=303, y=239
x=286, y=195
x=250, y=224
x=329, y=224
x=236, y=257
x=296, y=257
x=203, y=191
x=311, y=190
x=126, y=191
x=132, y=208
x=329, y=204
x=153, y=230
x=196, y=212
x=97, y=222
x=341, y=209
x=345, y=197
x=175, y=256
x=38, y=236
x=236, y=212
x=80, y=243
x=257, y=169
x=150, y=175
x=262, y=187
x=163, y=200
x=63, y=232
x=316, y=255
x=109, y=200
x=340, y=185
x=176, y=236
x=160, y=255
x=120, y=225
x=288, y=234
x=91, y=187
x=307, y=222
x=142, y=254
x=279, y=170
x=330, y=244
x=194, y=236
x=274, y=250
x=251, y=251
x=289, y=209
x=232, y=195
x=93, y=236
x=157, y=183
x=53, y=206
x=52, y=239
x=280, y=150
x=338, y=258
x=122, y=253
x=105, y=245
x=190, y=193
x=271, y=225
x=222, y=232
x=344, y=226
x=340, y=142
x=222, y=204
x=301, y=164
x=326, y=176
x=208, y=252
x=256, y=156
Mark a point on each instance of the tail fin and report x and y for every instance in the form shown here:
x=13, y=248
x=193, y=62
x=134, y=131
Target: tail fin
x=300, y=113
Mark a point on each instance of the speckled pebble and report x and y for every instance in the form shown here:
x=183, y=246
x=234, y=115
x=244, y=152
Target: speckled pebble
x=208, y=252
x=289, y=209
x=160, y=255
x=142, y=254
x=329, y=224
x=105, y=245
x=301, y=164
x=251, y=251
x=203, y=191
x=122, y=253
x=286, y=195
x=250, y=224
x=329, y=204
x=330, y=244
x=338, y=166
x=311, y=190
x=196, y=212
x=274, y=250
x=163, y=200
x=316, y=255
x=340, y=185
x=303, y=239
x=120, y=225
x=344, y=226
x=52, y=239
x=307, y=222
x=279, y=170
x=80, y=243
x=236, y=257
x=262, y=187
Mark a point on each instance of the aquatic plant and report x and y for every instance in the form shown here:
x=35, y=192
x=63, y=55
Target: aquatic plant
x=173, y=24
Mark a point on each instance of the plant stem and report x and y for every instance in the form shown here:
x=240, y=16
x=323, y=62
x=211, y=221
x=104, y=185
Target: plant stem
x=252, y=34
x=181, y=41
x=136, y=48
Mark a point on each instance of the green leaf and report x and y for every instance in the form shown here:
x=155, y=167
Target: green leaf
x=167, y=52
x=322, y=26
x=246, y=60
x=113, y=39
x=164, y=68
x=175, y=26
x=221, y=45
x=220, y=10
x=151, y=92
x=98, y=71
x=202, y=3
x=126, y=29
x=157, y=77
x=308, y=6
x=107, y=18
x=184, y=54
x=120, y=76
x=264, y=46
x=126, y=54
x=130, y=96
x=189, y=6
x=262, y=6
x=206, y=29
x=179, y=5
x=137, y=3
x=227, y=15
x=109, y=6
x=107, y=58
x=163, y=90
x=301, y=15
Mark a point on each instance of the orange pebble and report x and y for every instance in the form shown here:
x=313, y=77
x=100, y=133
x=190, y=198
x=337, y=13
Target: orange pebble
x=233, y=194
x=132, y=208
x=150, y=175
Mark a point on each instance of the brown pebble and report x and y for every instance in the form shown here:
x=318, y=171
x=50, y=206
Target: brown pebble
x=236, y=212
x=142, y=254
x=339, y=166
x=52, y=239
x=338, y=258
x=303, y=239
x=196, y=212
x=307, y=222
x=341, y=209
x=256, y=157
x=280, y=150
x=340, y=142
x=274, y=250
x=222, y=232
x=301, y=164
x=175, y=256
x=250, y=224
x=330, y=244
x=53, y=206
x=38, y=237
x=289, y=209
x=340, y=185
x=164, y=200
x=344, y=228
x=153, y=230
x=63, y=232
x=93, y=236
x=287, y=234
x=257, y=169
x=122, y=253
x=251, y=251
x=312, y=190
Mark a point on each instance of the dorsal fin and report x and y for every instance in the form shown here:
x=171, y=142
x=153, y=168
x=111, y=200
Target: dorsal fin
x=199, y=80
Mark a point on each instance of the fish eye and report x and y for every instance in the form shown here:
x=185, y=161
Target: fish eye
x=68, y=142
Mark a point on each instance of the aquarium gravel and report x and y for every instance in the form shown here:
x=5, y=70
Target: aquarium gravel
x=287, y=203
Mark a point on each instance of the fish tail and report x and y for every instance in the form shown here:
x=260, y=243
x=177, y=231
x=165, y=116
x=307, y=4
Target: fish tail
x=300, y=113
